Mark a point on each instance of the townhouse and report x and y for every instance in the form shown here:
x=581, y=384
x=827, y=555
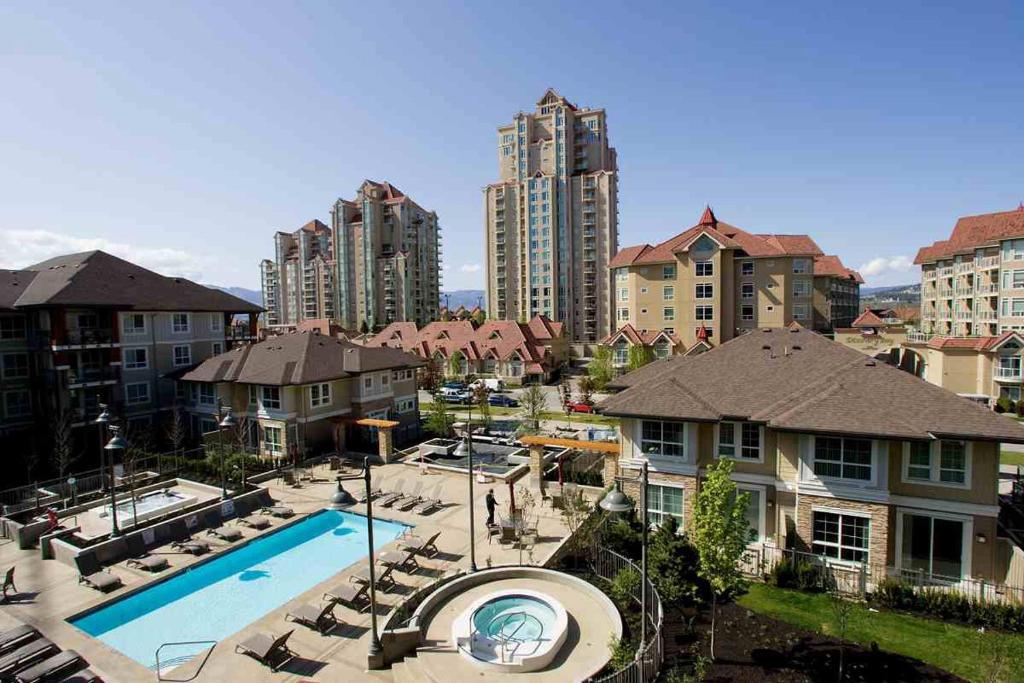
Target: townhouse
x=984, y=368
x=304, y=393
x=843, y=456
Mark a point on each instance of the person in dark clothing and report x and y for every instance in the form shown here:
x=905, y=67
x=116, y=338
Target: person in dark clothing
x=491, y=505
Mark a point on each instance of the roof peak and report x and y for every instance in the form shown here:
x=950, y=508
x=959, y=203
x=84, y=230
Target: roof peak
x=708, y=217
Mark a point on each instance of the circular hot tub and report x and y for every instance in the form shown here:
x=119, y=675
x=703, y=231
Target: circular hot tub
x=513, y=630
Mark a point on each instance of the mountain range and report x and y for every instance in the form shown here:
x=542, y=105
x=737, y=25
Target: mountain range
x=455, y=298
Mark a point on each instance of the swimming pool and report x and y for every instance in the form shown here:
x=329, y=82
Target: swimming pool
x=218, y=598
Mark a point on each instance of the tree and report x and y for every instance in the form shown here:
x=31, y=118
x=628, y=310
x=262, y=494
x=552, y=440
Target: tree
x=430, y=375
x=600, y=368
x=63, y=443
x=841, y=610
x=720, y=533
x=480, y=395
x=139, y=442
x=532, y=401
x=673, y=562
x=576, y=510
x=586, y=389
x=565, y=389
x=364, y=327
x=639, y=356
x=455, y=364
x=438, y=420
x=479, y=317
x=177, y=432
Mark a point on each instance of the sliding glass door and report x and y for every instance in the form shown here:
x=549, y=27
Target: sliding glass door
x=933, y=545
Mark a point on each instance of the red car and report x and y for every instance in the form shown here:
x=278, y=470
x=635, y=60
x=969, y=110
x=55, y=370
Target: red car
x=576, y=407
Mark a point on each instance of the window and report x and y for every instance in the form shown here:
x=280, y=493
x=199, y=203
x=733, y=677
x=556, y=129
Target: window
x=182, y=355
x=133, y=323
x=368, y=382
x=254, y=392
x=270, y=397
x=17, y=403
x=668, y=272
x=623, y=314
x=88, y=321
x=319, y=395
x=704, y=268
x=841, y=536
x=216, y=322
x=663, y=438
x=746, y=268
x=705, y=291
x=136, y=359
x=668, y=313
x=801, y=266
x=704, y=313
x=180, y=323
x=801, y=288
x=217, y=348
x=746, y=312
x=621, y=274
x=769, y=309
x=739, y=440
x=668, y=293
x=753, y=512
x=385, y=380
x=800, y=312
x=643, y=290
x=934, y=545
x=747, y=290
x=407, y=405
x=272, y=440
x=620, y=353
x=664, y=502
x=1012, y=279
x=945, y=462
x=136, y=393
x=207, y=394
x=623, y=294
x=661, y=349
x=15, y=366
x=839, y=458
x=643, y=311
x=12, y=327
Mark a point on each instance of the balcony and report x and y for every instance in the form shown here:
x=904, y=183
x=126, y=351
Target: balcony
x=945, y=272
x=988, y=262
x=93, y=338
x=1007, y=373
x=84, y=377
x=967, y=267
x=987, y=316
x=990, y=288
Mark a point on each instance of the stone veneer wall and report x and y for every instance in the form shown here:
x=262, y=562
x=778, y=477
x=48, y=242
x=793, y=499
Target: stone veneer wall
x=878, y=543
x=688, y=484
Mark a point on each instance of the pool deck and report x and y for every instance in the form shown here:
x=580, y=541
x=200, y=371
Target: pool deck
x=49, y=591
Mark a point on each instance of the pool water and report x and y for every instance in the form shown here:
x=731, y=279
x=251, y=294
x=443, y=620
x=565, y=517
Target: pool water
x=145, y=504
x=517, y=617
x=218, y=598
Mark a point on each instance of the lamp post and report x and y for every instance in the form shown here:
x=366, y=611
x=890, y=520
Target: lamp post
x=341, y=500
x=101, y=422
x=466, y=449
x=227, y=422
x=616, y=502
x=116, y=443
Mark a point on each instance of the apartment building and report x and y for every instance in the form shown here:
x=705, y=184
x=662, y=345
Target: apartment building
x=836, y=294
x=90, y=328
x=551, y=220
x=715, y=281
x=303, y=393
x=389, y=258
x=984, y=368
x=298, y=284
x=515, y=352
x=843, y=456
x=972, y=284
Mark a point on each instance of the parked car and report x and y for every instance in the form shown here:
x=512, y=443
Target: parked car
x=502, y=400
x=453, y=395
x=577, y=407
x=454, y=384
x=492, y=383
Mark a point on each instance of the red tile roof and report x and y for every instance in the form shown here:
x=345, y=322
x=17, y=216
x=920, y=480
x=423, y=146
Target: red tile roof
x=869, y=318
x=969, y=343
x=829, y=265
x=971, y=232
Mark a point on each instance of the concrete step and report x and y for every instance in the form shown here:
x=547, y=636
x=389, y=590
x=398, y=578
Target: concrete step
x=410, y=670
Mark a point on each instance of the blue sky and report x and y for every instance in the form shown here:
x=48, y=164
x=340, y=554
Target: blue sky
x=183, y=135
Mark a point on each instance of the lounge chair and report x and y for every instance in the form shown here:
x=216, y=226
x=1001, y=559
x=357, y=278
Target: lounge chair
x=51, y=668
x=384, y=580
x=83, y=676
x=409, y=502
x=427, y=548
x=254, y=522
x=396, y=494
x=14, y=638
x=140, y=559
x=93, y=575
x=374, y=495
x=320, y=618
x=277, y=511
x=194, y=546
x=389, y=501
x=266, y=648
x=9, y=582
x=429, y=503
x=405, y=562
x=25, y=656
x=225, y=533
x=351, y=596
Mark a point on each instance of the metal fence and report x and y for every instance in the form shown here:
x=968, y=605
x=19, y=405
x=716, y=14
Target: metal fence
x=650, y=656
x=860, y=578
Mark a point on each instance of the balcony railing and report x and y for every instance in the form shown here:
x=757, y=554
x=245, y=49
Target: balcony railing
x=988, y=262
x=86, y=337
x=89, y=375
x=1008, y=374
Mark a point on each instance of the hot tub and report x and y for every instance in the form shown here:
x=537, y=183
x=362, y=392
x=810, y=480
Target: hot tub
x=147, y=506
x=516, y=631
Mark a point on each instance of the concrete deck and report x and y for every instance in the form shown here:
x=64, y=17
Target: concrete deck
x=50, y=593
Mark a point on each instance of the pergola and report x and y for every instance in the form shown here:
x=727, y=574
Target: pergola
x=537, y=443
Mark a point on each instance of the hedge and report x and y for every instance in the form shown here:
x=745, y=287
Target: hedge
x=948, y=605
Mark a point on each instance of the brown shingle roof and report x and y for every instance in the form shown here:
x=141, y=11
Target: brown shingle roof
x=297, y=358
x=793, y=379
x=12, y=285
x=971, y=232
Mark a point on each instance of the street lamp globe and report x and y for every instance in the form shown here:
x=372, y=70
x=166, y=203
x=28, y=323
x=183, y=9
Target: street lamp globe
x=341, y=499
x=615, y=502
x=116, y=443
x=104, y=416
x=228, y=421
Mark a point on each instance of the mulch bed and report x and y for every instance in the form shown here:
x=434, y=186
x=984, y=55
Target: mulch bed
x=753, y=647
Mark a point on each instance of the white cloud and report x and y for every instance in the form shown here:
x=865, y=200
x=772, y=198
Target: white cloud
x=882, y=267
x=25, y=247
x=470, y=268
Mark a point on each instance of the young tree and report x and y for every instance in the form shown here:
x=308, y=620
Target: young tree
x=586, y=389
x=479, y=317
x=438, y=420
x=639, y=356
x=455, y=364
x=532, y=401
x=841, y=610
x=480, y=395
x=673, y=564
x=720, y=534
x=575, y=511
x=364, y=327
x=600, y=368
x=139, y=442
x=430, y=375
x=63, y=443
x=177, y=433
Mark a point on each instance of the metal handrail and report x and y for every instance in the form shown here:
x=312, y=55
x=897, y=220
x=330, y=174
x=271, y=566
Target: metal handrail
x=183, y=658
x=512, y=636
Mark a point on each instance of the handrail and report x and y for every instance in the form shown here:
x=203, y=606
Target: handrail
x=183, y=658
x=512, y=636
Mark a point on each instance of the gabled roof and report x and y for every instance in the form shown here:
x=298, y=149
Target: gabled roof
x=870, y=317
x=988, y=343
x=828, y=265
x=796, y=380
x=96, y=278
x=971, y=232
x=635, y=336
x=12, y=285
x=297, y=358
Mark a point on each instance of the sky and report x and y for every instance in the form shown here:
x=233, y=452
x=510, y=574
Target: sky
x=183, y=135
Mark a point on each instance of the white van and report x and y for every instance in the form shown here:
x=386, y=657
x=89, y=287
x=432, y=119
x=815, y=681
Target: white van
x=492, y=384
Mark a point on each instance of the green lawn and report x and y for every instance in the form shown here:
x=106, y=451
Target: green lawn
x=1011, y=458
x=951, y=647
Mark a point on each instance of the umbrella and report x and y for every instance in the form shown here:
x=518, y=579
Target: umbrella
x=511, y=499
x=561, y=479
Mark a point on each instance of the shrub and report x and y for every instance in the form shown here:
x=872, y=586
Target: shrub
x=894, y=594
x=798, y=574
x=625, y=586
x=948, y=605
x=1003, y=405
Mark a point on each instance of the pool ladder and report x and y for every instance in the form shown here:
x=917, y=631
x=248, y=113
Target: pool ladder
x=175, y=661
x=504, y=618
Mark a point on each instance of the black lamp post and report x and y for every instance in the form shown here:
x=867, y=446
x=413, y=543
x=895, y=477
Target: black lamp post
x=116, y=443
x=466, y=448
x=341, y=500
x=227, y=422
x=101, y=422
x=616, y=502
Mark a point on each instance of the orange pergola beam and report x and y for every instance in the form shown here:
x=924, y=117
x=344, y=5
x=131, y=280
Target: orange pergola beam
x=598, y=446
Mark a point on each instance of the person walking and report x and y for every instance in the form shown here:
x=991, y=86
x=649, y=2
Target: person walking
x=491, y=505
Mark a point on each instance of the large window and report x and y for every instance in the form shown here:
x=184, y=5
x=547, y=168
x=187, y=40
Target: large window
x=272, y=440
x=668, y=272
x=944, y=462
x=753, y=515
x=319, y=395
x=839, y=458
x=133, y=323
x=663, y=438
x=747, y=290
x=704, y=291
x=207, y=394
x=704, y=312
x=746, y=312
x=704, y=268
x=663, y=502
x=801, y=266
x=12, y=327
x=739, y=440
x=136, y=393
x=934, y=545
x=668, y=313
x=801, y=288
x=270, y=397
x=136, y=359
x=841, y=536
x=182, y=355
x=746, y=268
x=15, y=366
x=668, y=293
x=180, y=323
x=17, y=403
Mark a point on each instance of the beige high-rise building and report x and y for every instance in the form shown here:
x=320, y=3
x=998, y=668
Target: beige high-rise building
x=552, y=219
x=298, y=284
